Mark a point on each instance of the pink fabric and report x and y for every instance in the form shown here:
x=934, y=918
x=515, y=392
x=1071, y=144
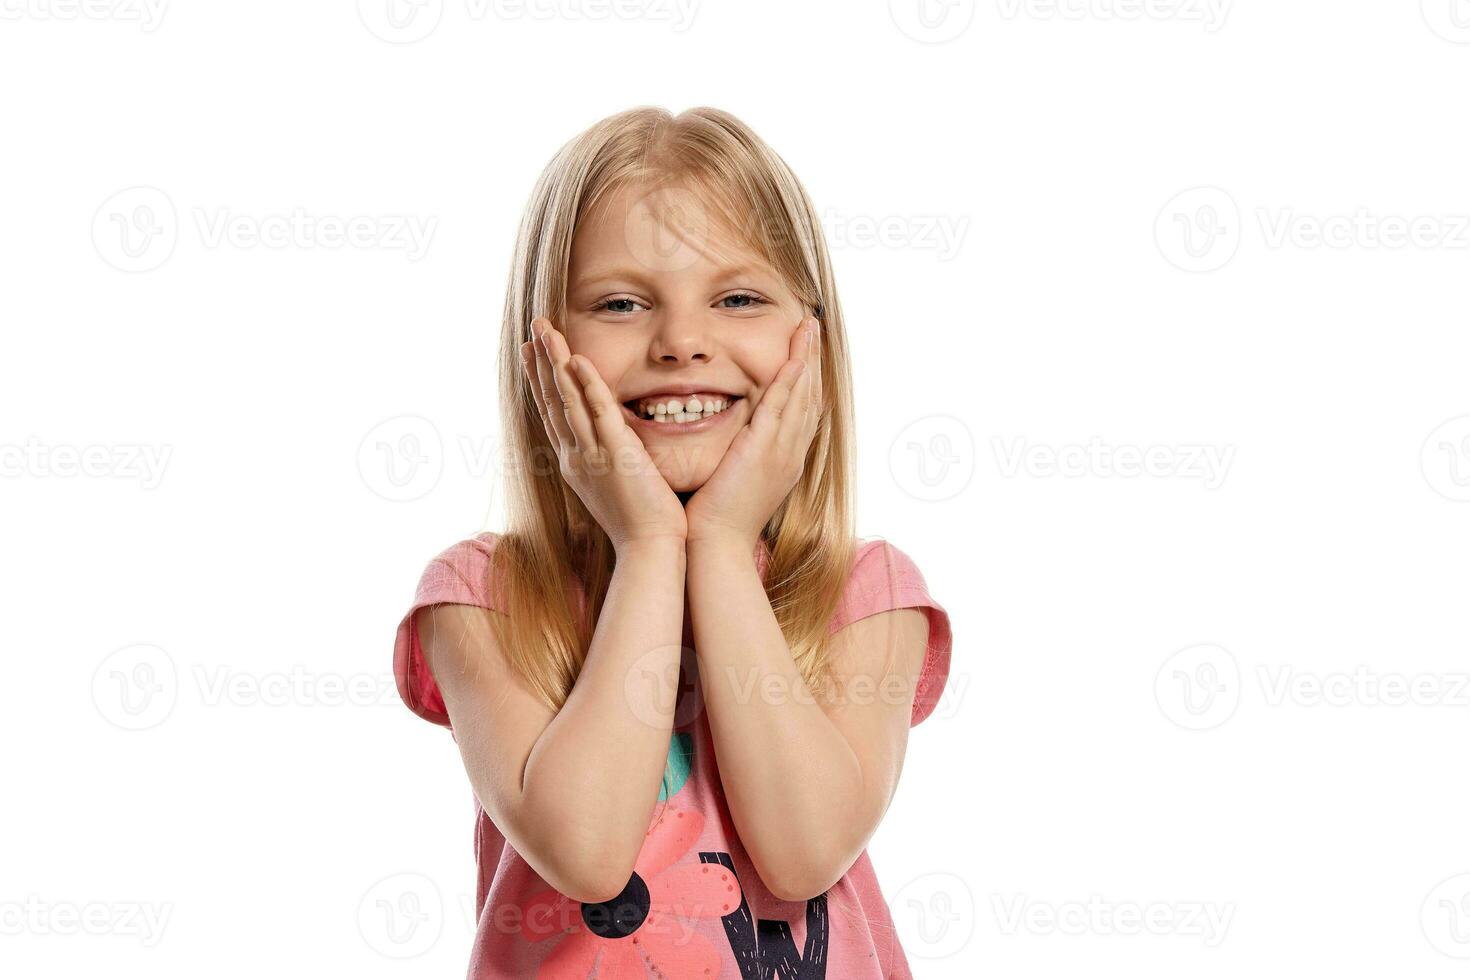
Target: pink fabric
x=706, y=912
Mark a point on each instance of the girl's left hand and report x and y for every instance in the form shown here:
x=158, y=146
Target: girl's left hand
x=768, y=454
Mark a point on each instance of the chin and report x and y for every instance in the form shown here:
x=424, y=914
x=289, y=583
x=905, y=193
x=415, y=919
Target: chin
x=687, y=465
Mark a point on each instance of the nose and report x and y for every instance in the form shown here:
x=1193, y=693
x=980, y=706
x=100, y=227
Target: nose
x=681, y=340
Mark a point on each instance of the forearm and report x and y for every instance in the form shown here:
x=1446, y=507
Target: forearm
x=604, y=753
x=789, y=775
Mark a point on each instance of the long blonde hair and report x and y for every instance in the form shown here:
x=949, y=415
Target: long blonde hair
x=554, y=561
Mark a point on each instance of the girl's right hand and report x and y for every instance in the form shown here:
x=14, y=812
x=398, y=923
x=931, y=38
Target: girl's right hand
x=601, y=458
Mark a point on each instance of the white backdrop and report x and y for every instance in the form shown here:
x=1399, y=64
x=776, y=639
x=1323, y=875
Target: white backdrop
x=1158, y=310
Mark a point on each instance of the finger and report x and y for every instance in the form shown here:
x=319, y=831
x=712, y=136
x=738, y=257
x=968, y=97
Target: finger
x=528, y=363
x=561, y=433
x=569, y=387
x=538, y=373
x=796, y=416
x=776, y=402
x=813, y=373
x=606, y=412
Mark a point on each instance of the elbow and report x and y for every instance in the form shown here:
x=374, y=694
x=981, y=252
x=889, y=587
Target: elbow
x=596, y=891
x=802, y=889
x=592, y=878
x=587, y=884
x=800, y=879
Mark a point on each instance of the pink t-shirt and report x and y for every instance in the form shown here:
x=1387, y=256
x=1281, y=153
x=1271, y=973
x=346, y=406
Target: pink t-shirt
x=692, y=859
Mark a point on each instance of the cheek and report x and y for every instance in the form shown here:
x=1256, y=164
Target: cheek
x=762, y=356
x=611, y=362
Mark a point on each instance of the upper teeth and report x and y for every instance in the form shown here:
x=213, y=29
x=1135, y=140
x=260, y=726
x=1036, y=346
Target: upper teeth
x=682, y=409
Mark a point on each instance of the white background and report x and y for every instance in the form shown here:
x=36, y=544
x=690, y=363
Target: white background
x=1067, y=239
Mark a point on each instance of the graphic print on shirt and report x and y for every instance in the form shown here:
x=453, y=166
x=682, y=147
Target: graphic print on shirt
x=647, y=924
x=681, y=764
x=763, y=948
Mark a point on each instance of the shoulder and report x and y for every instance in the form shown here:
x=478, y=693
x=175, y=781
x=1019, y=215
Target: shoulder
x=461, y=573
x=880, y=566
x=885, y=579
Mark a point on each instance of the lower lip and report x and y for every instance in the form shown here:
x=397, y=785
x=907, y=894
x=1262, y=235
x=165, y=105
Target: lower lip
x=642, y=424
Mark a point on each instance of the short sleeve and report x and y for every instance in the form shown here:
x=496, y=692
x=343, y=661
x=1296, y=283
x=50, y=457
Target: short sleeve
x=885, y=578
x=458, y=574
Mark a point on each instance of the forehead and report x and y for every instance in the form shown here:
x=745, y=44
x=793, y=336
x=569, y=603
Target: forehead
x=662, y=232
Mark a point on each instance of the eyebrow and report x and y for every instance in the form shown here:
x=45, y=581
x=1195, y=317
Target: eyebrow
x=636, y=274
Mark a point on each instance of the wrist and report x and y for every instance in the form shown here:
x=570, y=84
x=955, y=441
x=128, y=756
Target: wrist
x=722, y=541
x=668, y=547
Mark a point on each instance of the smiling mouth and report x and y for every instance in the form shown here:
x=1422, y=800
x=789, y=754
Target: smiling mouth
x=676, y=410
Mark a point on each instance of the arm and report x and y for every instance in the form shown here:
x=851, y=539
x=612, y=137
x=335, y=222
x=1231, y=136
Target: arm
x=807, y=782
x=573, y=791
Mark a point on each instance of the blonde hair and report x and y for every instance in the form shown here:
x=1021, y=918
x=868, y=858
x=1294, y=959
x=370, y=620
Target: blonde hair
x=553, y=549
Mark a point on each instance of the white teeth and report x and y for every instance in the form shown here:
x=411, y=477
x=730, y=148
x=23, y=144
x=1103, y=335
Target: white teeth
x=678, y=410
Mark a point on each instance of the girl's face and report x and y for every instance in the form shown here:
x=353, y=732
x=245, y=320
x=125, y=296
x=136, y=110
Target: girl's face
x=659, y=296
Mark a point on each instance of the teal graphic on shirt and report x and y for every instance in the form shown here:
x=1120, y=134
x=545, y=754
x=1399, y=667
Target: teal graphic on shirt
x=681, y=762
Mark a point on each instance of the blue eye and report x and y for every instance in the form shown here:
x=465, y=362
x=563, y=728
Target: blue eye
x=604, y=305
x=754, y=300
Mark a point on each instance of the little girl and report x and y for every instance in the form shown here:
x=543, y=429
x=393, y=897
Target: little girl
x=680, y=685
